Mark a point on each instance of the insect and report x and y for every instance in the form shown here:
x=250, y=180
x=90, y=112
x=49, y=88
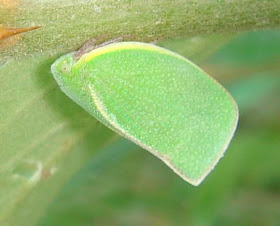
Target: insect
x=157, y=99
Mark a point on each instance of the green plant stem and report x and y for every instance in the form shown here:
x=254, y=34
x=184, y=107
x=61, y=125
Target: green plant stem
x=67, y=24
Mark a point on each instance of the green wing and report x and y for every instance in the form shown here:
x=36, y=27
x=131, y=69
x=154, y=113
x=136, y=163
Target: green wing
x=163, y=103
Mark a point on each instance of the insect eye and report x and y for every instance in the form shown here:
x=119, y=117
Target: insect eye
x=65, y=68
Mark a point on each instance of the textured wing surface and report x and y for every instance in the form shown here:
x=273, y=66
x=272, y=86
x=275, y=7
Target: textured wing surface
x=165, y=104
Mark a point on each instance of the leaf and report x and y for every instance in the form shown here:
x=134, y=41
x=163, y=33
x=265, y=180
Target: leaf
x=40, y=130
x=137, y=189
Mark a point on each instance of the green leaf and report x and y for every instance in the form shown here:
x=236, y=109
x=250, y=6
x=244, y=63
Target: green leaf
x=41, y=132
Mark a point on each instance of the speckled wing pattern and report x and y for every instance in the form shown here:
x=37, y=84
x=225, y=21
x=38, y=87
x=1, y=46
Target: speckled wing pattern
x=162, y=102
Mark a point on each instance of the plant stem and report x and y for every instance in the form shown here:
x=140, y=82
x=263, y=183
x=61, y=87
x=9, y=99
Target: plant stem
x=67, y=24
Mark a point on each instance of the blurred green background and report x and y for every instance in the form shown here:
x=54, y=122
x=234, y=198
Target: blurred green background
x=125, y=185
